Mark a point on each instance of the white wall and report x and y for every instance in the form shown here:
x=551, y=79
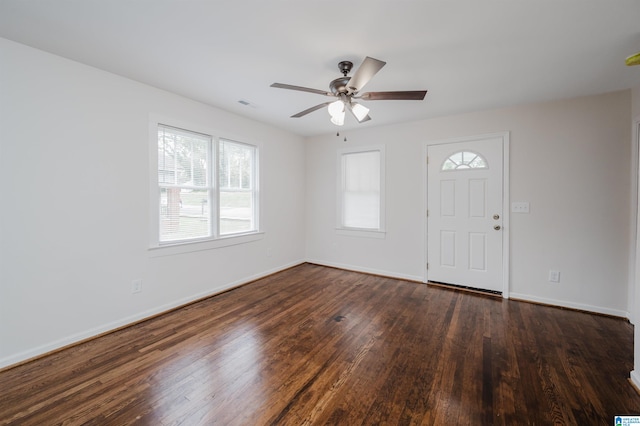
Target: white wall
x=75, y=209
x=569, y=159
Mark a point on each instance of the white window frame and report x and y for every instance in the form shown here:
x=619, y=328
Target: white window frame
x=360, y=232
x=215, y=240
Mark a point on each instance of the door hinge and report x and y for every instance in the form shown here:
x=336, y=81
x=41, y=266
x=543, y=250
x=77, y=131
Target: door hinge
x=427, y=265
x=427, y=159
x=427, y=212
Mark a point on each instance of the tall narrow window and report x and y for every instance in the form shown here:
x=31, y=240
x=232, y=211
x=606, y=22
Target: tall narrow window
x=207, y=188
x=361, y=190
x=237, y=187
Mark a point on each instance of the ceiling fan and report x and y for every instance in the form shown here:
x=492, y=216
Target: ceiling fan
x=346, y=90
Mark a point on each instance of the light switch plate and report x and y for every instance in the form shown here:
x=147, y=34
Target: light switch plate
x=520, y=207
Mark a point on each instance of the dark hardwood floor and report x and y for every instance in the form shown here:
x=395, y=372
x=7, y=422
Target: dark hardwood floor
x=316, y=345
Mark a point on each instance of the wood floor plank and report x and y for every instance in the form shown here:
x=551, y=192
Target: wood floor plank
x=314, y=345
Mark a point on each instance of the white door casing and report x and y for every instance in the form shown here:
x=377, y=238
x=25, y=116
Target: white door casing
x=467, y=214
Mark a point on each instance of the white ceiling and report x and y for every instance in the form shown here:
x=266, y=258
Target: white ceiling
x=469, y=54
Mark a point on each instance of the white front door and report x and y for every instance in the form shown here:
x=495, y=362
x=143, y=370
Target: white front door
x=464, y=224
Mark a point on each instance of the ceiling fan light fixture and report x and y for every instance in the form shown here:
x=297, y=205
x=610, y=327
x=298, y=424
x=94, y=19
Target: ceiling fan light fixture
x=336, y=108
x=336, y=111
x=338, y=119
x=359, y=110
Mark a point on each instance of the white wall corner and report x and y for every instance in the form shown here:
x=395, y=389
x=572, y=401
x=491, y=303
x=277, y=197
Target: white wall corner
x=365, y=270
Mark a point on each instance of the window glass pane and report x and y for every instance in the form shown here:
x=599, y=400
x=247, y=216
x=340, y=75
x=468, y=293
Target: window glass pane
x=184, y=214
x=236, y=165
x=182, y=157
x=236, y=211
x=456, y=158
x=166, y=158
x=464, y=160
x=237, y=188
x=361, y=190
x=183, y=162
x=449, y=165
x=361, y=210
x=478, y=163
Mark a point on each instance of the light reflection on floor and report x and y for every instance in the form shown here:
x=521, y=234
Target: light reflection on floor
x=233, y=359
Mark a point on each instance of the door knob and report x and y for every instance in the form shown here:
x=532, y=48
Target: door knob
x=496, y=216
x=497, y=227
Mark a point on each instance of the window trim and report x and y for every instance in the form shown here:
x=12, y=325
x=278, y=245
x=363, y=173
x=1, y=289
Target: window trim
x=353, y=231
x=156, y=247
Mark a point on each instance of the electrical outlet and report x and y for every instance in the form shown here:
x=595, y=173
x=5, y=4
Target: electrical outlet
x=554, y=276
x=136, y=286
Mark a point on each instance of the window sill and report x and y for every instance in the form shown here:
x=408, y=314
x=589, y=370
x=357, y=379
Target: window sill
x=181, y=247
x=365, y=233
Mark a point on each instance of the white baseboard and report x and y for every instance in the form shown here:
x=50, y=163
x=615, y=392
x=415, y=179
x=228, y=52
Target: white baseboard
x=105, y=328
x=367, y=270
x=571, y=305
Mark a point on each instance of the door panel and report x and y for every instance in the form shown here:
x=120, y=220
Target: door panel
x=477, y=251
x=477, y=198
x=448, y=249
x=447, y=198
x=464, y=195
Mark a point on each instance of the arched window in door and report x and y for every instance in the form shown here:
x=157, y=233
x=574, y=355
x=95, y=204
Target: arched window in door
x=463, y=160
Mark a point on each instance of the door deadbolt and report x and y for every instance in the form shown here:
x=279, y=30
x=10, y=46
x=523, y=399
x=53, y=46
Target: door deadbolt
x=496, y=216
x=497, y=227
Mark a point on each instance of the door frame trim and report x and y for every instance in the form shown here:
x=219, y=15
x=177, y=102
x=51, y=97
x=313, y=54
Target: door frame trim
x=633, y=308
x=634, y=267
x=506, y=248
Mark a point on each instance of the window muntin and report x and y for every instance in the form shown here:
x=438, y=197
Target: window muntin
x=361, y=190
x=207, y=187
x=464, y=160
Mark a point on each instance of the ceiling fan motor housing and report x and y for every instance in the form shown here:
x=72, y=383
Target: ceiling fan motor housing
x=345, y=67
x=339, y=85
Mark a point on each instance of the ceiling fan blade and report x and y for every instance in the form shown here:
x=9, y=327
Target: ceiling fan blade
x=364, y=73
x=301, y=89
x=407, y=95
x=308, y=110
